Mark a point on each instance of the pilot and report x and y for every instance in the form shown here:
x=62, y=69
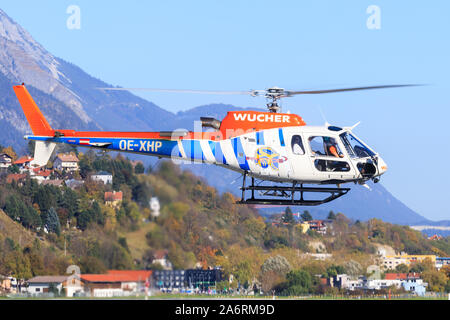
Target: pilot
x=332, y=148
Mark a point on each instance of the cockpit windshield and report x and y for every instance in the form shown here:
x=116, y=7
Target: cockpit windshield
x=354, y=147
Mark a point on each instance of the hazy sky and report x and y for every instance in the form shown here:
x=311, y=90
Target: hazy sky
x=241, y=45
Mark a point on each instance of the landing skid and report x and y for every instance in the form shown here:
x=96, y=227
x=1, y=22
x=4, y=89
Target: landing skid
x=293, y=195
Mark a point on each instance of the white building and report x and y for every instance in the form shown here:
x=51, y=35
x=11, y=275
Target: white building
x=41, y=285
x=390, y=263
x=67, y=162
x=5, y=160
x=160, y=257
x=103, y=176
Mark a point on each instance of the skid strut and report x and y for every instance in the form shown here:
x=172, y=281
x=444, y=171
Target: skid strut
x=288, y=195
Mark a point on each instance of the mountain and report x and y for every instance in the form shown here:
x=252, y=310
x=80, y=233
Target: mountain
x=66, y=94
x=68, y=97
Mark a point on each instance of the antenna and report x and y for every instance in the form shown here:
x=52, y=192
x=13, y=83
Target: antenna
x=323, y=116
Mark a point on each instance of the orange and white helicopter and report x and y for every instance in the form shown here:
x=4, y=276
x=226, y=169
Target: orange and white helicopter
x=278, y=151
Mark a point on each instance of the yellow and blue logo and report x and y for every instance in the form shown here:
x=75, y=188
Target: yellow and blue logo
x=266, y=157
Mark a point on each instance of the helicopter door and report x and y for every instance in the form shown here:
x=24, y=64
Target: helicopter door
x=298, y=158
x=268, y=152
x=327, y=159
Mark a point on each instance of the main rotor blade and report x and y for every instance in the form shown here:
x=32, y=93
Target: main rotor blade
x=291, y=93
x=179, y=90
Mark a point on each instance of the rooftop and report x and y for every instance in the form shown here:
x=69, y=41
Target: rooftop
x=118, y=276
x=64, y=157
x=48, y=279
x=402, y=276
x=103, y=173
x=113, y=196
x=15, y=177
x=24, y=159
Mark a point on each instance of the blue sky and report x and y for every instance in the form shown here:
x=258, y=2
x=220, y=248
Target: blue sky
x=241, y=45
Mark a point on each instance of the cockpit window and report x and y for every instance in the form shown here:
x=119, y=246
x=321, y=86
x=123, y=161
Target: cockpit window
x=325, y=146
x=297, y=145
x=354, y=147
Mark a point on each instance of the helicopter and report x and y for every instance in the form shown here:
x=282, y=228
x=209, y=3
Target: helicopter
x=276, y=151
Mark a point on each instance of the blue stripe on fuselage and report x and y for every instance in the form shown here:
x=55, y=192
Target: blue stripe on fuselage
x=280, y=133
x=216, y=150
x=239, y=153
x=260, y=137
x=193, y=149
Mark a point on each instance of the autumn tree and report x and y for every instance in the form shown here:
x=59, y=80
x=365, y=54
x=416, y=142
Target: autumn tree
x=273, y=272
x=10, y=152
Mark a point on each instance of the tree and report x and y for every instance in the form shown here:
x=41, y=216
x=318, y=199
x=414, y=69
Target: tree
x=306, y=216
x=437, y=281
x=13, y=169
x=288, y=217
x=139, y=168
x=277, y=263
x=52, y=222
x=331, y=215
x=297, y=282
x=334, y=270
x=402, y=268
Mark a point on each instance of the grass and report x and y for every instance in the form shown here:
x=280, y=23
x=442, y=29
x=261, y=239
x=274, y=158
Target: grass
x=137, y=243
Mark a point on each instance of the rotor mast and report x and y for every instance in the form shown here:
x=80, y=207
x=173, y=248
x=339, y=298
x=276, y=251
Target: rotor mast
x=274, y=94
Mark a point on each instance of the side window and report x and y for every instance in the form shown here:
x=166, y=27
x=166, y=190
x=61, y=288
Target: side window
x=325, y=146
x=317, y=145
x=297, y=145
x=331, y=166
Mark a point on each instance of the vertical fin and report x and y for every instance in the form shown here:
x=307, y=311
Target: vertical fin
x=36, y=119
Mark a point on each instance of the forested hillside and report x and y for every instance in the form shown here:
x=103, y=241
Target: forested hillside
x=197, y=226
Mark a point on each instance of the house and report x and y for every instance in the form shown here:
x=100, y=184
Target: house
x=24, y=163
x=113, y=198
x=40, y=174
x=12, y=285
x=5, y=160
x=180, y=280
x=390, y=262
x=202, y=279
x=317, y=256
x=41, y=285
x=435, y=237
x=67, y=162
x=103, y=176
x=304, y=227
x=116, y=283
x=17, y=177
x=173, y=280
x=73, y=184
x=318, y=226
x=160, y=257
x=56, y=183
x=441, y=262
x=410, y=282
